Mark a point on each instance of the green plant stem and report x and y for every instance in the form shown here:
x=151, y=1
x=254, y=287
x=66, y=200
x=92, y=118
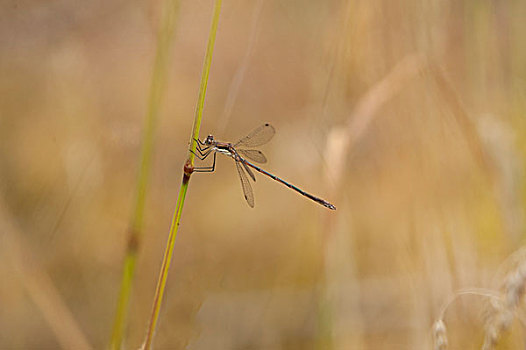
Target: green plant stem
x=188, y=168
x=204, y=81
x=164, y=40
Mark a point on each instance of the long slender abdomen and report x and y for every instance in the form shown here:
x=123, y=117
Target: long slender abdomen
x=289, y=185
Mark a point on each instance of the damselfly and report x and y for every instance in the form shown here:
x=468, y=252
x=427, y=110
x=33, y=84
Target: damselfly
x=239, y=153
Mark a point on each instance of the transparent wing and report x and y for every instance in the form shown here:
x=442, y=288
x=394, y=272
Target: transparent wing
x=257, y=137
x=255, y=155
x=248, y=171
x=247, y=189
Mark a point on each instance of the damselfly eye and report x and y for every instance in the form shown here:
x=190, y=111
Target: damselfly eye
x=209, y=139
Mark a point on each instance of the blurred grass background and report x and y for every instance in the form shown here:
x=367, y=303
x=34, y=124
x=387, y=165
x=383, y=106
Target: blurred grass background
x=430, y=194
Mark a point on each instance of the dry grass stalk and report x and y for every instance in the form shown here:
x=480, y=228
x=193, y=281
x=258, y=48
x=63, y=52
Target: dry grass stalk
x=505, y=305
x=39, y=285
x=342, y=139
x=440, y=335
x=340, y=142
x=504, y=310
x=439, y=327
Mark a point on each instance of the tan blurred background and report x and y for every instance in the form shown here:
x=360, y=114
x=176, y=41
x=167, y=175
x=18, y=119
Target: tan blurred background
x=407, y=115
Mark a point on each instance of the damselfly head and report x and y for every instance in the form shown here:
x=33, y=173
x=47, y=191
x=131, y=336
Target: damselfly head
x=209, y=140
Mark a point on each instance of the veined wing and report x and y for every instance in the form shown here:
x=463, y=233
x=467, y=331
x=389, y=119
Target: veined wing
x=257, y=137
x=247, y=169
x=247, y=189
x=255, y=155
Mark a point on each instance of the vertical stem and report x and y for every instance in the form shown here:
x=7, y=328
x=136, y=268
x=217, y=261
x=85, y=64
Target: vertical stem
x=163, y=274
x=204, y=81
x=188, y=168
x=164, y=40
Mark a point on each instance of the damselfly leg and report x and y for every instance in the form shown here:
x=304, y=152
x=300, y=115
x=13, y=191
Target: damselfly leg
x=205, y=169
